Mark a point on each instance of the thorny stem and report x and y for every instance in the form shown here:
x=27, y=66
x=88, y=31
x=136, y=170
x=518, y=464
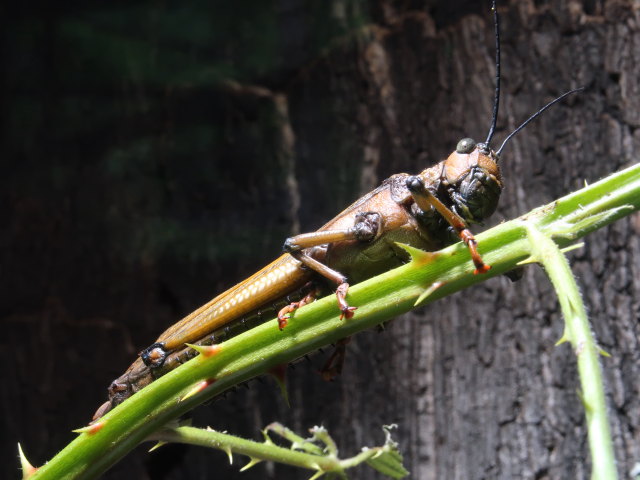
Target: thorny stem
x=378, y=299
x=257, y=450
x=260, y=451
x=578, y=333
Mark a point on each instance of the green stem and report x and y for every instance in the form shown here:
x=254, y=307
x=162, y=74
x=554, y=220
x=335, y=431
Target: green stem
x=385, y=459
x=257, y=451
x=296, y=440
x=578, y=333
x=318, y=324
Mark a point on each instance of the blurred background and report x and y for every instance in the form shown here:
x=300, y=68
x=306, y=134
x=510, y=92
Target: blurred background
x=155, y=153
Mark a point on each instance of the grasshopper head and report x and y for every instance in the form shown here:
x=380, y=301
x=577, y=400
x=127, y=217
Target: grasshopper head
x=472, y=178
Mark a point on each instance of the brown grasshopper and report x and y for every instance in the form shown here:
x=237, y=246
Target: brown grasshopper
x=429, y=211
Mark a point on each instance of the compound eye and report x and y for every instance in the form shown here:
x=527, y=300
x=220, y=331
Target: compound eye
x=466, y=145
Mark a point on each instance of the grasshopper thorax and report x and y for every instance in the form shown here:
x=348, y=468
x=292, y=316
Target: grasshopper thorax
x=471, y=177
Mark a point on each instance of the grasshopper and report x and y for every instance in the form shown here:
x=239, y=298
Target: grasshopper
x=428, y=211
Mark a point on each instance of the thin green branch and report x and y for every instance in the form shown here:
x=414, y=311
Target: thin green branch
x=578, y=333
x=320, y=461
x=254, y=450
x=318, y=324
x=297, y=442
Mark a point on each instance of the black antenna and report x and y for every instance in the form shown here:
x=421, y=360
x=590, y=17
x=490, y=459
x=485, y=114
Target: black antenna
x=496, y=101
x=535, y=115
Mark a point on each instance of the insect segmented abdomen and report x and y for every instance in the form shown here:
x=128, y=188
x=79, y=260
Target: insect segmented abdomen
x=230, y=330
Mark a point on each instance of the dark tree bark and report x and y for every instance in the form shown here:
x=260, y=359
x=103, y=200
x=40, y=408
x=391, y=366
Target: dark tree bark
x=150, y=162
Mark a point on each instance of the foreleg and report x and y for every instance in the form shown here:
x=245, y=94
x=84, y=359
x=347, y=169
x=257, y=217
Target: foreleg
x=425, y=200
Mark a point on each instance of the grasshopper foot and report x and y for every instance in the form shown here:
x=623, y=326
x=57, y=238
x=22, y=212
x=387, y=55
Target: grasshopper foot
x=345, y=310
x=284, y=313
x=471, y=243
